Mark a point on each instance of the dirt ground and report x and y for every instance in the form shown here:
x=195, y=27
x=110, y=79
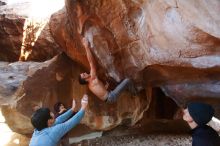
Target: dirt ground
x=139, y=140
x=125, y=136
x=129, y=140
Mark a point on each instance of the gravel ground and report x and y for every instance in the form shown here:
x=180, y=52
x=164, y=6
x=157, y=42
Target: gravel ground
x=135, y=140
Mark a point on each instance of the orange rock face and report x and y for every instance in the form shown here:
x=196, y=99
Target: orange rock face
x=16, y=32
x=57, y=80
x=129, y=39
x=170, y=45
x=128, y=36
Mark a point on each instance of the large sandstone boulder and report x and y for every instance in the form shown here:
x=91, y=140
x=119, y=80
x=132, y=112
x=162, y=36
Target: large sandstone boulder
x=16, y=25
x=128, y=38
x=12, y=76
x=10, y=37
x=44, y=84
x=170, y=48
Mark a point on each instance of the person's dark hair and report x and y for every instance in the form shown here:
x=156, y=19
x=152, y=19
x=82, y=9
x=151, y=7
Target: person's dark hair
x=56, y=107
x=82, y=81
x=40, y=117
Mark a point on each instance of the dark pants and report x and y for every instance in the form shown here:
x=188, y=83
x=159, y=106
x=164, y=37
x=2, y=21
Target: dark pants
x=112, y=95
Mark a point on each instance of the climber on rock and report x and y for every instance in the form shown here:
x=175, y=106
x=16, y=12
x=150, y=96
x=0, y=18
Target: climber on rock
x=96, y=86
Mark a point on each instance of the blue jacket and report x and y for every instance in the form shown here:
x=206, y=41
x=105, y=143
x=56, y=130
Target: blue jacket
x=50, y=136
x=205, y=136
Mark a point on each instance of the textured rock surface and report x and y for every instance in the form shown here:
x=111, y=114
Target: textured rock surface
x=11, y=77
x=13, y=17
x=10, y=37
x=57, y=80
x=128, y=36
x=184, y=84
x=167, y=44
x=45, y=47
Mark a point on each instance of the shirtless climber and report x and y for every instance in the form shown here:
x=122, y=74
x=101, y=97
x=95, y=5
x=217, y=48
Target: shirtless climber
x=96, y=86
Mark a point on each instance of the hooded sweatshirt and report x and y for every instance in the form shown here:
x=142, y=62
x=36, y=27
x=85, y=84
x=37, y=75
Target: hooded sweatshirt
x=205, y=136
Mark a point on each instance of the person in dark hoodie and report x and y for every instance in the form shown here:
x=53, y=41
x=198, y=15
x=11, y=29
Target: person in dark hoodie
x=60, y=109
x=197, y=115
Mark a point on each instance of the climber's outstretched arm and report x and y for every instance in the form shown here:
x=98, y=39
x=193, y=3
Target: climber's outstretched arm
x=90, y=58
